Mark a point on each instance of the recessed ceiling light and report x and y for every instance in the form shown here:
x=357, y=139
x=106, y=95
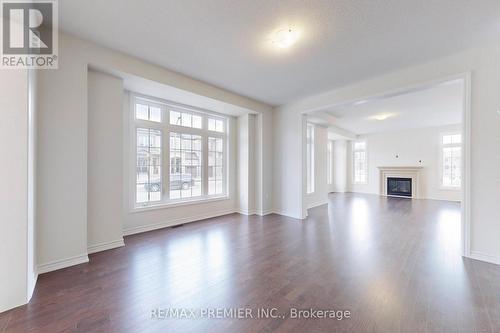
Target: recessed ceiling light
x=285, y=38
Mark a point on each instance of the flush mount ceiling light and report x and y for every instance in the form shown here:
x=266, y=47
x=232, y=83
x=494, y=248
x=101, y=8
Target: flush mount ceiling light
x=285, y=38
x=382, y=116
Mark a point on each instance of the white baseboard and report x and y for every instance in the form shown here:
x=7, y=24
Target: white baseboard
x=316, y=204
x=105, y=246
x=484, y=257
x=265, y=212
x=287, y=214
x=166, y=224
x=246, y=212
x=255, y=212
x=63, y=263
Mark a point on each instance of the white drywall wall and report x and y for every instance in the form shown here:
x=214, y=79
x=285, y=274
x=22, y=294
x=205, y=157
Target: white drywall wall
x=246, y=163
x=287, y=163
x=14, y=136
x=62, y=150
x=411, y=146
x=339, y=183
x=32, y=271
x=483, y=64
x=105, y=161
x=320, y=194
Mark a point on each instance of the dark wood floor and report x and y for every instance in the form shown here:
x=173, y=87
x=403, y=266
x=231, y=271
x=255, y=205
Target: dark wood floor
x=395, y=264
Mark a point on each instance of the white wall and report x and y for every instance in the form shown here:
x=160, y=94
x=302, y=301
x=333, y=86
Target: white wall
x=62, y=160
x=32, y=156
x=483, y=63
x=263, y=163
x=411, y=146
x=62, y=151
x=14, y=143
x=105, y=162
x=246, y=163
x=287, y=163
x=321, y=188
x=339, y=183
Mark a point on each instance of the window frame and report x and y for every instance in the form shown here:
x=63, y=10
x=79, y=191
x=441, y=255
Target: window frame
x=443, y=145
x=354, y=150
x=166, y=128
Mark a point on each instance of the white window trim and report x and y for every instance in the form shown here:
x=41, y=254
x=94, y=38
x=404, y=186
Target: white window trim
x=166, y=128
x=441, y=186
x=352, y=162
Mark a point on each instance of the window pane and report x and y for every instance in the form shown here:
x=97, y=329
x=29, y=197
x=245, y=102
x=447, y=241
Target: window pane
x=211, y=124
x=141, y=112
x=196, y=143
x=359, y=145
x=216, y=174
x=211, y=187
x=456, y=138
x=196, y=121
x=142, y=193
x=155, y=138
x=142, y=137
x=446, y=139
x=185, y=166
x=186, y=119
x=154, y=196
x=175, y=141
x=329, y=169
x=310, y=158
x=145, y=111
x=452, y=161
x=196, y=189
x=216, y=125
x=219, y=126
x=218, y=186
x=148, y=169
x=155, y=114
x=175, y=118
x=218, y=145
x=360, y=164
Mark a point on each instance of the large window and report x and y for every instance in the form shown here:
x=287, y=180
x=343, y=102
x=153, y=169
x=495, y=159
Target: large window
x=360, y=163
x=451, y=145
x=329, y=157
x=310, y=158
x=180, y=153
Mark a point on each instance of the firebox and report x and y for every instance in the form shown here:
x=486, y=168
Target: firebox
x=399, y=186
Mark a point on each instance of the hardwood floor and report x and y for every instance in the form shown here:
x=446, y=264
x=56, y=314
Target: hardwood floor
x=394, y=263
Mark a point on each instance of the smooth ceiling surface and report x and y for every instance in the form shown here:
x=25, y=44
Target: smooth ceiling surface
x=226, y=42
x=437, y=106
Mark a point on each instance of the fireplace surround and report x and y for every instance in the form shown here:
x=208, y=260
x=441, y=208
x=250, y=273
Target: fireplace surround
x=401, y=172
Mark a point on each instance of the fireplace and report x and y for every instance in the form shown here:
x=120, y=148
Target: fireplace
x=399, y=186
x=405, y=181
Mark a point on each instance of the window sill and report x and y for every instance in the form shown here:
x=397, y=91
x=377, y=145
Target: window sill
x=178, y=204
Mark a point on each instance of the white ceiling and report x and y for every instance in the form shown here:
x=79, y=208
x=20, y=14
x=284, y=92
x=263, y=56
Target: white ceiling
x=439, y=105
x=226, y=42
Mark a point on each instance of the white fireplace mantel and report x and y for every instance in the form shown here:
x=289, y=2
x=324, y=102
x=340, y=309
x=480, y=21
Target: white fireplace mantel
x=412, y=172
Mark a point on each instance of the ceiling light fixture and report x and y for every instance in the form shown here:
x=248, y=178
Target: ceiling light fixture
x=285, y=38
x=382, y=116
